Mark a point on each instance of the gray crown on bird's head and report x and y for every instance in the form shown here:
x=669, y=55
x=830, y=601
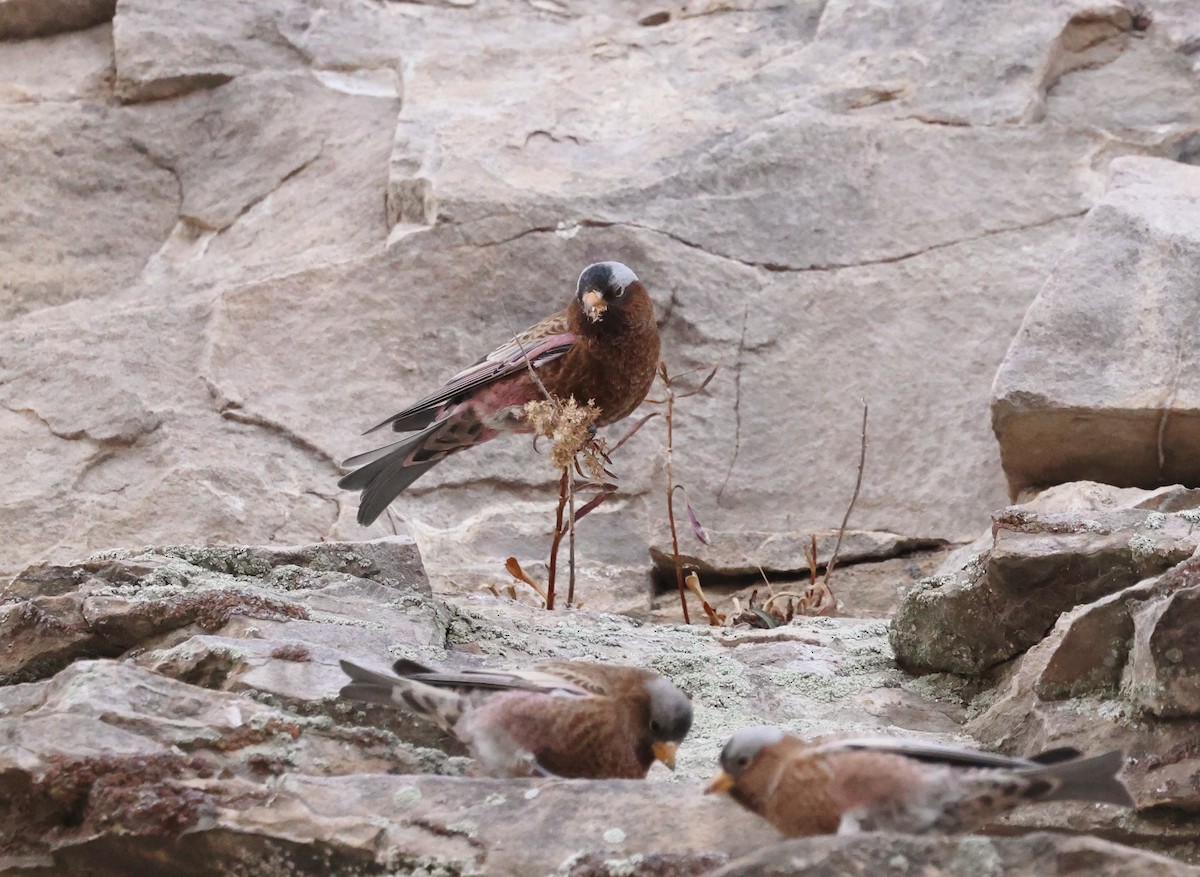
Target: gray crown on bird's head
x=745, y=744
x=670, y=710
x=610, y=279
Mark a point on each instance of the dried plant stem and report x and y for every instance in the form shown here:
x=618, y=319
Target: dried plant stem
x=558, y=534
x=570, y=474
x=670, y=400
x=862, y=461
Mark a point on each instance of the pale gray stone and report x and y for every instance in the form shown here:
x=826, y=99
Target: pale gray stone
x=1101, y=381
x=1034, y=855
x=22, y=19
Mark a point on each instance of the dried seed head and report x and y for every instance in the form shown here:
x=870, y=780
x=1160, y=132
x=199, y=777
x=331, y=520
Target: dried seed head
x=568, y=425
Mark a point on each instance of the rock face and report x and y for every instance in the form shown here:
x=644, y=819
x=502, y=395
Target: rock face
x=181, y=702
x=177, y=707
x=1103, y=381
x=995, y=599
x=236, y=234
x=1077, y=614
x=239, y=234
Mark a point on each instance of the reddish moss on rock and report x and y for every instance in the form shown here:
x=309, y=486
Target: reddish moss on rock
x=292, y=652
x=143, y=794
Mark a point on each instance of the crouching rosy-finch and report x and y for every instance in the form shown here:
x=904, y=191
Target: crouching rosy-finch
x=563, y=718
x=893, y=784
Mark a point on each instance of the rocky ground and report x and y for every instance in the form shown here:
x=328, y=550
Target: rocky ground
x=175, y=709
x=234, y=235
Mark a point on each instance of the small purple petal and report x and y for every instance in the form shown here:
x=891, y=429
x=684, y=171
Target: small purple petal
x=697, y=528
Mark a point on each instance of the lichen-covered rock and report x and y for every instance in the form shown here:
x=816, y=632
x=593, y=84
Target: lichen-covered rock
x=1038, y=563
x=122, y=600
x=1117, y=673
x=182, y=701
x=1164, y=655
x=1034, y=855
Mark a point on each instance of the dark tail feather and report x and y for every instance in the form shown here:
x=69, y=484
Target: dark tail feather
x=1092, y=779
x=1056, y=756
x=408, y=421
x=367, y=685
x=405, y=667
x=443, y=707
x=464, y=680
x=382, y=480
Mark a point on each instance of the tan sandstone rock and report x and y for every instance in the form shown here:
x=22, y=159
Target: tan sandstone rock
x=263, y=280
x=1100, y=383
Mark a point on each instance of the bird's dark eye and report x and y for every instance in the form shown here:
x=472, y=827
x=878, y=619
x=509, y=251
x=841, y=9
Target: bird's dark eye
x=655, y=727
x=619, y=292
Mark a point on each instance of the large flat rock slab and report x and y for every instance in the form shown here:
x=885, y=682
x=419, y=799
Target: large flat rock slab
x=270, y=224
x=22, y=19
x=1102, y=381
x=1037, y=855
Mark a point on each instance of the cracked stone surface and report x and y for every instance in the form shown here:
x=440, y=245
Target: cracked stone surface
x=250, y=231
x=235, y=235
x=1103, y=381
x=1073, y=545
x=1076, y=614
x=1037, y=855
x=179, y=704
x=182, y=690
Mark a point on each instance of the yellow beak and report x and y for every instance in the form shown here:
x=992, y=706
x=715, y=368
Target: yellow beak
x=722, y=782
x=594, y=305
x=665, y=752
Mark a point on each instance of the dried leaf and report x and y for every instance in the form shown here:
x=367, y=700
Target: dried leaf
x=692, y=580
x=768, y=620
x=592, y=503
x=514, y=569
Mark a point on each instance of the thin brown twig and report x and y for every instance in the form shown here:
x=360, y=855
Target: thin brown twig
x=778, y=594
x=679, y=583
x=862, y=462
x=558, y=534
x=570, y=475
x=528, y=364
x=704, y=383
x=630, y=434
